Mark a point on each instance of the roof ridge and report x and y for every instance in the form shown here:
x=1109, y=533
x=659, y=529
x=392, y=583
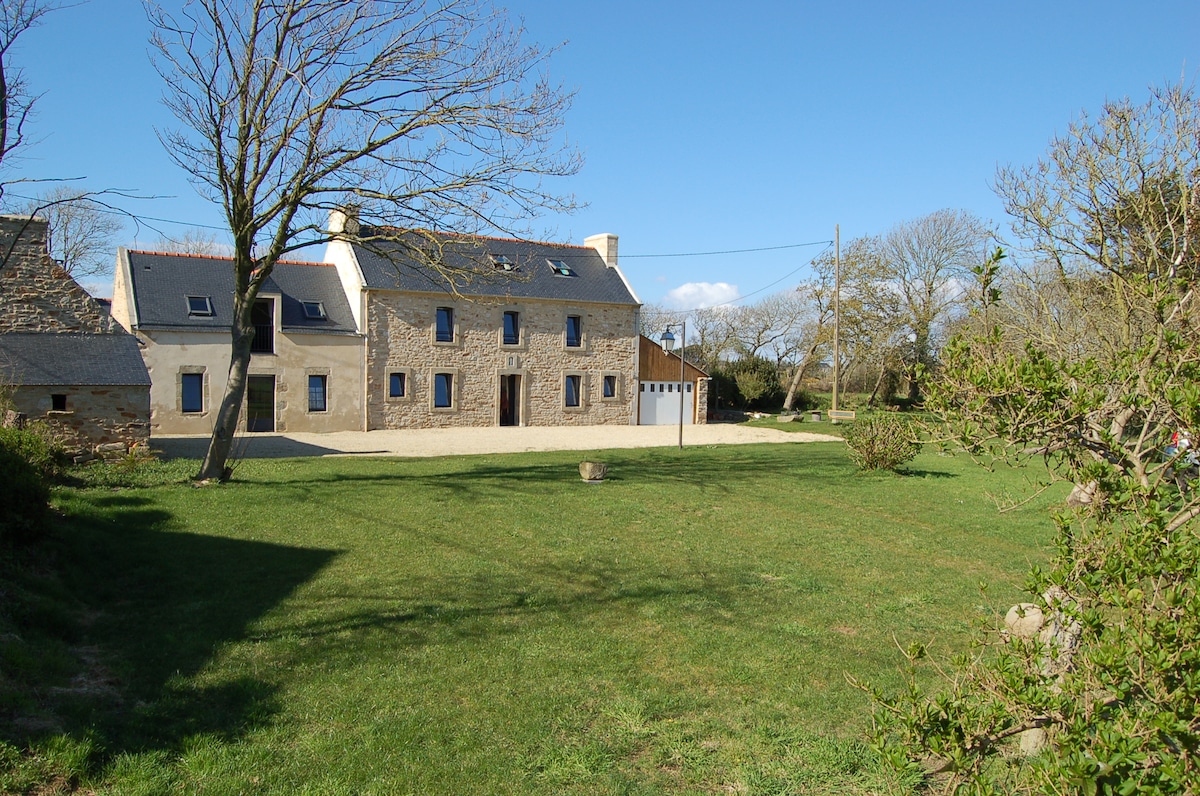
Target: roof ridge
x=221, y=257
x=483, y=237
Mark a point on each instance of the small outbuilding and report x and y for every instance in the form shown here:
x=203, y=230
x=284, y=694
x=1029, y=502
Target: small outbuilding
x=660, y=385
x=62, y=359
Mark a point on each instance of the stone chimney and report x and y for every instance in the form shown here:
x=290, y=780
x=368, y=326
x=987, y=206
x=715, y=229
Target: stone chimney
x=606, y=244
x=344, y=219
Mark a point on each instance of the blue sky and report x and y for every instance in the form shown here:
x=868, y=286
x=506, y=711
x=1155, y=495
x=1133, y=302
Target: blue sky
x=704, y=129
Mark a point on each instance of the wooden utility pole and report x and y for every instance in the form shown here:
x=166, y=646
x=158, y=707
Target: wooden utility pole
x=837, y=309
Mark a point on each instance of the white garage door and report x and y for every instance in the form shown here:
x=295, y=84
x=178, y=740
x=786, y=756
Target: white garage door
x=659, y=405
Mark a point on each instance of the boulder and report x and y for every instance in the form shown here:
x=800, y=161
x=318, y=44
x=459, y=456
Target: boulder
x=1024, y=620
x=593, y=472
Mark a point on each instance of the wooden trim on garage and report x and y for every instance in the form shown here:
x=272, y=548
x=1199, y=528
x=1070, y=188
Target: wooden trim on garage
x=654, y=364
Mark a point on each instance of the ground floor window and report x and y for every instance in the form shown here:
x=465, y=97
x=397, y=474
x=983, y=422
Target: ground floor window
x=443, y=390
x=316, y=393
x=397, y=385
x=610, y=386
x=192, y=393
x=572, y=390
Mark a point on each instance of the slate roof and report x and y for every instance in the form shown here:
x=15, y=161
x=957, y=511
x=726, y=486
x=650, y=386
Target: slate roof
x=162, y=282
x=385, y=266
x=51, y=360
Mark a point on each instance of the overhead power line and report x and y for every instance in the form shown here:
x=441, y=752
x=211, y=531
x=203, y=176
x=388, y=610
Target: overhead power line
x=733, y=251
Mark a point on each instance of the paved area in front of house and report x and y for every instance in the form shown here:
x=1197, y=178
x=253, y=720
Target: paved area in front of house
x=465, y=441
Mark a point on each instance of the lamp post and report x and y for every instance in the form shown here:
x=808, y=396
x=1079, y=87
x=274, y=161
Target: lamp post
x=668, y=342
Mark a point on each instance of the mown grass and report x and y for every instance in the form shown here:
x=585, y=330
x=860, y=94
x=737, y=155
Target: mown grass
x=491, y=624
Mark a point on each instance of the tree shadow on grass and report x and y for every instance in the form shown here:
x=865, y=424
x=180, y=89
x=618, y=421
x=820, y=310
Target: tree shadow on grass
x=484, y=474
x=160, y=604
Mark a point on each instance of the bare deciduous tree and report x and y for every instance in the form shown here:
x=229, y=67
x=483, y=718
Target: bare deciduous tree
x=424, y=115
x=929, y=262
x=193, y=241
x=16, y=102
x=82, y=230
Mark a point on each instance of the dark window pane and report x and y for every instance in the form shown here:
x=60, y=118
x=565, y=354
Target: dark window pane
x=574, y=331
x=264, y=327
x=316, y=393
x=445, y=325
x=193, y=392
x=512, y=328
x=396, y=385
x=610, y=386
x=572, y=391
x=58, y=402
x=443, y=389
x=199, y=305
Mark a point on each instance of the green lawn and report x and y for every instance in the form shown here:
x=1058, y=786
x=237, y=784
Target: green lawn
x=492, y=625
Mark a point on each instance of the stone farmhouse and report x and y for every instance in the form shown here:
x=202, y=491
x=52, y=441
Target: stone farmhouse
x=306, y=364
x=541, y=334
x=528, y=334
x=62, y=359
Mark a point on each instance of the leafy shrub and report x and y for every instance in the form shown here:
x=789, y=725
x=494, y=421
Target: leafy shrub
x=23, y=500
x=36, y=446
x=882, y=442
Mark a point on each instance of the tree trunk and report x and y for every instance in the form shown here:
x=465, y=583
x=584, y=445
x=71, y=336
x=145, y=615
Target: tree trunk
x=230, y=410
x=878, y=383
x=797, y=377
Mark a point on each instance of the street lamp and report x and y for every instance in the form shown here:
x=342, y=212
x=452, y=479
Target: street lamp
x=668, y=342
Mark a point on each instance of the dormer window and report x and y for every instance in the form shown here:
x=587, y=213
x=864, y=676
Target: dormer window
x=313, y=310
x=502, y=262
x=560, y=268
x=200, y=306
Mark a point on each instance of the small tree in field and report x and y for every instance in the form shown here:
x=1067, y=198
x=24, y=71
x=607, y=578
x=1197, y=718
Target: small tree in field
x=423, y=115
x=1106, y=696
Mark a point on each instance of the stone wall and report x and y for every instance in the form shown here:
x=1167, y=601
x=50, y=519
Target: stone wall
x=94, y=416
x=38, y=295
x=400, y=338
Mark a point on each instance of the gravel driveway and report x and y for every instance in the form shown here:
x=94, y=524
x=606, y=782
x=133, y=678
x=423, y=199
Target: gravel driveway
x=463, y=441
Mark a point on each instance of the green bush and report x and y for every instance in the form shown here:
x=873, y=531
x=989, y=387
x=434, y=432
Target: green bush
x=35, y=445
x=23, y=500
x=882, y=441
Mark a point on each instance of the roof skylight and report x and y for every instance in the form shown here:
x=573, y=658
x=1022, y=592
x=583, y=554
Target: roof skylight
x=199, y=306
x=313, y=310
x=561, y=268
x=501, y=261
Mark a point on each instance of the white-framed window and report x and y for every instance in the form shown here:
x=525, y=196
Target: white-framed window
x=314, y=310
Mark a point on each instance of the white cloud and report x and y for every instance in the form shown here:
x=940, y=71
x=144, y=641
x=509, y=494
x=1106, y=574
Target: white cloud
x=698, y=295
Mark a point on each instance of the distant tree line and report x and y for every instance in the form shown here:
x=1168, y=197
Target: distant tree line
x=903, y=294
